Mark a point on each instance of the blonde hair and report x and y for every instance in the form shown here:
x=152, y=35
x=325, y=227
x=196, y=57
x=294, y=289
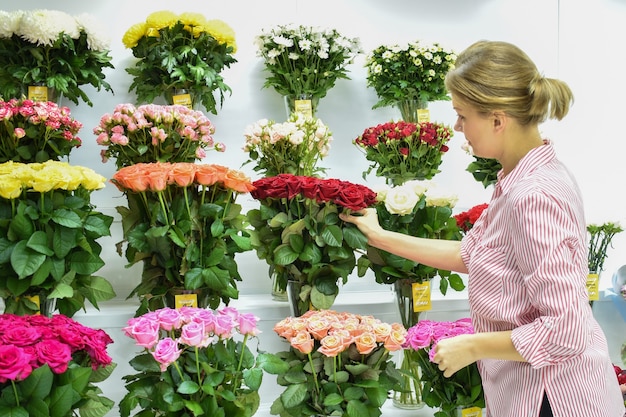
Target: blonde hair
x=492, y=75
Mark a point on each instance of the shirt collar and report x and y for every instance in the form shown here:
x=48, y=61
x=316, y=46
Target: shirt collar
x=535, y=158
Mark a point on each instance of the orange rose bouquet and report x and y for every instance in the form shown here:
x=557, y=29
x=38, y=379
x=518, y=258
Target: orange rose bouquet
x=340, y=364
x=186, y=226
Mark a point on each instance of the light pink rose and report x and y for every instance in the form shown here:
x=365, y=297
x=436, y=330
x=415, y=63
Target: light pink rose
x=248, y=324
x=19, y=132
x=169, y=318
x=303, y=342
x=14, y=363
x=193, y=334
x=144, y=330
x=365, y=342
x=166, y=353
x=224, y=326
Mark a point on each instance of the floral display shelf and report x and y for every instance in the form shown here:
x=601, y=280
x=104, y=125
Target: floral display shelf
x=380, y=302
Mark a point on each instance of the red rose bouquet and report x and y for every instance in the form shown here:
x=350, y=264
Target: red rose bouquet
x=403, y=151
x=49, y=367
x=464, y=388
x=467, y=219
x=298, y=232
x=339, y=364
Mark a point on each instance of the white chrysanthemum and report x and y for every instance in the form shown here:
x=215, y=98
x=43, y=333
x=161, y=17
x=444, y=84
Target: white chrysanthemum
x=387, y=55
x=294, y=56
x=9, y=23
x=305, y=44
x=43, y=27
x=281, y=40
x=97, y=40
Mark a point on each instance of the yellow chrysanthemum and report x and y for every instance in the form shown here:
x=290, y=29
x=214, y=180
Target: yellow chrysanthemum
x=161, y=19
x=221, y=32
x=192, y=19
x=133, y=34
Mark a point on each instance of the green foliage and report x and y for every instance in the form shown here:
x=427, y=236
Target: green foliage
x=181, y=57
x=600, y=237
x=484, y=170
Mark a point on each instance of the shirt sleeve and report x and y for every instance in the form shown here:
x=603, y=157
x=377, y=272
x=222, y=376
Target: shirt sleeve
x=550, y=253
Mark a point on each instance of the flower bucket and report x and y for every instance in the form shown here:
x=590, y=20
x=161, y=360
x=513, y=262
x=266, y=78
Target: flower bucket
x=305, y=104
x=414, y=111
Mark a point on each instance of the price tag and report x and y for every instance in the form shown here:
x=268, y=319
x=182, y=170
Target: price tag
x=593, y=282
x=471, y=412
x=421, y=296
x=305, y=107
x=185, y=300
x=38, y=93
x=182, y=100
x=423, y=115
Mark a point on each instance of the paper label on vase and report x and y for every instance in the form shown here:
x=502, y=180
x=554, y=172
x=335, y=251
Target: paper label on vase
x=305, y=107
x=593, y=282
x=38, y=93
x=471, y=412
x=182, y=100
x=421, y=296
x=423, y=115
x=35, y=299
x=185, y=300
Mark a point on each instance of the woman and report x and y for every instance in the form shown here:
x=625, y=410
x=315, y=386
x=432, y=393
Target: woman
x=538, y=347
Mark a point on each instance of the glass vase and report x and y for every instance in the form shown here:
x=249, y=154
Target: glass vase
x=278, y=293
x=414, y=111
x=305, y=104
x=410, y=396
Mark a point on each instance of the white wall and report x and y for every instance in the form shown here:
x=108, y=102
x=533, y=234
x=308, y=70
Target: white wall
x=580, y=42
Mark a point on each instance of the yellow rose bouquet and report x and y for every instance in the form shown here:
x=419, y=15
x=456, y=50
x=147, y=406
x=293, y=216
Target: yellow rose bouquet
x=48, y=237
x=340, y=364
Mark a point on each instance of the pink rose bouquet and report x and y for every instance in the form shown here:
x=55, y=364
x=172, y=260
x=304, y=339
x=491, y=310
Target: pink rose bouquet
x=298, y=232
x=194, y=362
x=464, y=388
x=339, y=364
x=59, y=357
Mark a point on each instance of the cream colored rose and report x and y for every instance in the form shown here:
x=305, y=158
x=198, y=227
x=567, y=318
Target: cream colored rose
x=401, y=200
x=442, y=200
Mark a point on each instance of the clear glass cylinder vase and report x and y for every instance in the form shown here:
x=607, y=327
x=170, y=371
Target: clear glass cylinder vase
x=414, y=111
x=305, y=104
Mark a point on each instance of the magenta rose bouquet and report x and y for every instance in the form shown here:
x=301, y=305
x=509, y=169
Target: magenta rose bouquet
x=49, y=367
x=339, y=364
x=195, y=362
x=464, y=388
x=297, y=230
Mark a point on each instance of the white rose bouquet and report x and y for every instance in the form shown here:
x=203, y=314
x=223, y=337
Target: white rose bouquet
x=416, y=208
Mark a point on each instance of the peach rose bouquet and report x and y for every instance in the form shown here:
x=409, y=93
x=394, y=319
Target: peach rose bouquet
x=185, y=224
x=340, y=364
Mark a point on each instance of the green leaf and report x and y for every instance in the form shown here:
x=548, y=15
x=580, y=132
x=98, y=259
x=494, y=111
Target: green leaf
x=333, y=399
x=85, y=263
x=284, y=255
x=24, y=260
x=332, y=235
x=67, y=218
x=253, y=377
x=13, y=411
x=61, y=400
x=272, y=364
x=188, y=387
x=294, y=395
x=38, y=384
x=357, y=408
x=39, y=243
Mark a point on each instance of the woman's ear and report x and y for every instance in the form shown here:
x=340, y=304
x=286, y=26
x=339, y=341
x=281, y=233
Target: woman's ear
x=499, y=120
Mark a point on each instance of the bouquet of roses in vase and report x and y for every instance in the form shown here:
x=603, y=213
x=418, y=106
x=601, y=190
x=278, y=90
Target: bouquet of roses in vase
x=409, y=76
x=49, y=235
x=155, y=133
x=464, y=388
x=415, y=208
x=298, y=232
x=180, y=57
x=49, y=49
x=339, y=364
x=404, y=151
x=50, y=367
x=195, y=362
x=186, y=226
x=293, y=147
x=305, y=62
x=36, y=131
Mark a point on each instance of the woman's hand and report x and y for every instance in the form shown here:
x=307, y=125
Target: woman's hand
x=366, y=220
x=453, y=354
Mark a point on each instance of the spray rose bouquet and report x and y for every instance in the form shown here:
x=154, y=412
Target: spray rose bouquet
x=404, y=151
x=154, y=133
x=53, y=49
x=36, y=131
x=339, y=364
x=49, y=235
x=49, y=367
x=298, y=232
x=293, y=147
x=186, y=226
x=195, y=362
x=464, y=388
x=185, y=52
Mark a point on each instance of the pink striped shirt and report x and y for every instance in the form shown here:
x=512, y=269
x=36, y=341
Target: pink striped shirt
x=527, y=263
